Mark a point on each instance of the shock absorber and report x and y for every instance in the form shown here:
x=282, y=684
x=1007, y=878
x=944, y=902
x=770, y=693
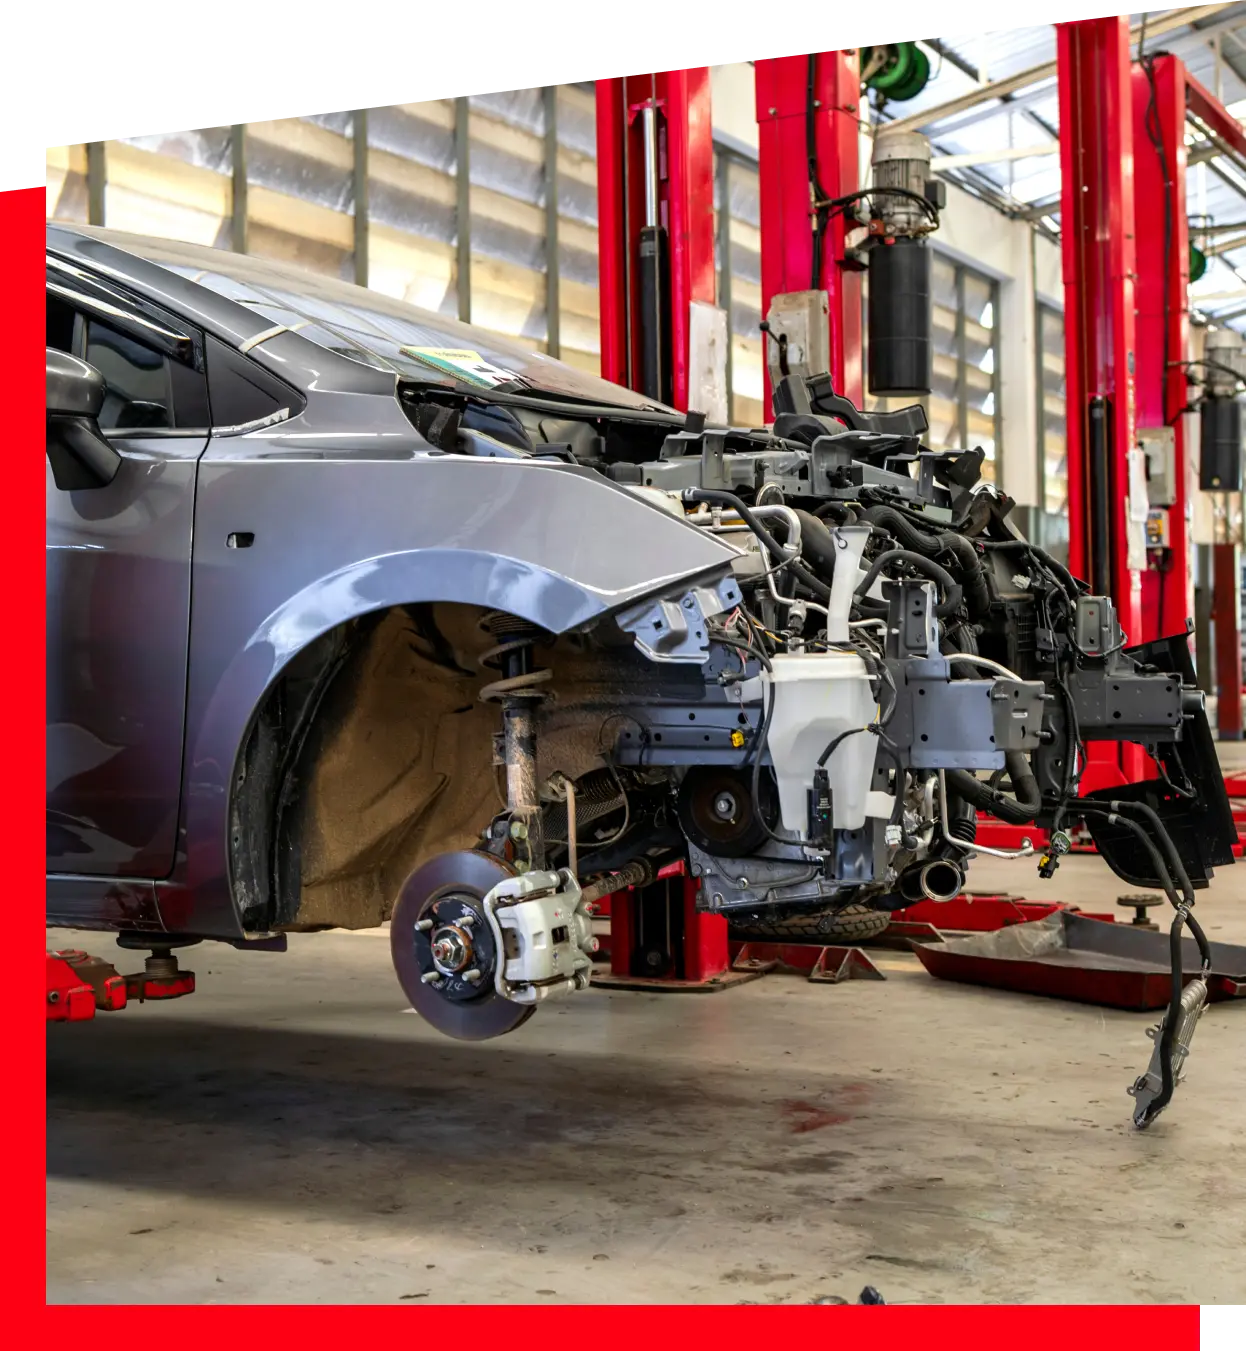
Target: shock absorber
x=519, y=691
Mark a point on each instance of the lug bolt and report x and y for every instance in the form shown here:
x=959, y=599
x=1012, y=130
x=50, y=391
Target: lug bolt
x=430, y=978
x=473, y=975
x=423, y=925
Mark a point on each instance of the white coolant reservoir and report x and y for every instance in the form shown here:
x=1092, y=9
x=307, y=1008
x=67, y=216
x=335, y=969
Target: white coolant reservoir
x=817, y=696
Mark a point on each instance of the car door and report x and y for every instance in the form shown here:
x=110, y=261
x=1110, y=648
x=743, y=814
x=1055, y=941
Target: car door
x=118, y=587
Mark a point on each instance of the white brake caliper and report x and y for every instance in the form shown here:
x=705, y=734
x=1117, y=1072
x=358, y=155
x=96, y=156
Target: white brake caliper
x=544, y=936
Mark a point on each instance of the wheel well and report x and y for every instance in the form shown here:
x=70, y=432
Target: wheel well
x=363, y=759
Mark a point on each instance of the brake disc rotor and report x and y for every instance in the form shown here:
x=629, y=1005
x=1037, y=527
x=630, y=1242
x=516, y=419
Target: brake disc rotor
x=446, y=968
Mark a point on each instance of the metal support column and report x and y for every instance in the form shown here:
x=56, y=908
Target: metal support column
x=238, y=170
x=463, y=207
x=1226, y=612
x=655, y=165
x=797, y=95
x=1163, y=333
x=97, y=180
x=553, y=298
x=1097, y=240
x=359, y=138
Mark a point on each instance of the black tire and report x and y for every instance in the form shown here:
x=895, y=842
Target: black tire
x=851, y=924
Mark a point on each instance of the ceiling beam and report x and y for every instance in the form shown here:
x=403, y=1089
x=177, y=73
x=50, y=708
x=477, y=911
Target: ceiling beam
x=942, y=163
x=997, y=89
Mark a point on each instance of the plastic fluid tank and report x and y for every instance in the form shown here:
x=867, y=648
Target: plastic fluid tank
x=816, y=697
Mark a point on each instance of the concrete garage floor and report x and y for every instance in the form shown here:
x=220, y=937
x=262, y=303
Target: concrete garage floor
x=290, y=1134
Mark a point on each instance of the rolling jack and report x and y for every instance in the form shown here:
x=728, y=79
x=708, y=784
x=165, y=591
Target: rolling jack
x=78, y=984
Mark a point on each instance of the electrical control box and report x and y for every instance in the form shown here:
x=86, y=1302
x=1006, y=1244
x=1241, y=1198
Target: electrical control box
x=1159, y=446
x=798, y=334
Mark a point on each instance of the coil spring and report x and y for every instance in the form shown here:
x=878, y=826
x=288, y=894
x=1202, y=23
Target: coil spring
x=597, y=794
x=516, y=636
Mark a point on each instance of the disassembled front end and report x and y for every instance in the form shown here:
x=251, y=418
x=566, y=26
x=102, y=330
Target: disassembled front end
x=815, y=727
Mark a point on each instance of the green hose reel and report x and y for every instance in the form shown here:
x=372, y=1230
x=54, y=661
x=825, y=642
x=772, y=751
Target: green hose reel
x=898, y=71
x=1198, y=263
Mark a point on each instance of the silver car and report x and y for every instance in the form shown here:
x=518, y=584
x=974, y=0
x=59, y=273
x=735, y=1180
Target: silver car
x=356, y=613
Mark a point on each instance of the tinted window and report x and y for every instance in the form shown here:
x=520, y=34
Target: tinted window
x=60, y=324
x=240, y=391
x=140, y=392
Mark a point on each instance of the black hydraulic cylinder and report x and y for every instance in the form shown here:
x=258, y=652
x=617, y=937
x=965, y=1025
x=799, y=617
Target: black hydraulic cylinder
x=1101, y=488
x=899, y=319
x=1220, y=445
x=655, y=310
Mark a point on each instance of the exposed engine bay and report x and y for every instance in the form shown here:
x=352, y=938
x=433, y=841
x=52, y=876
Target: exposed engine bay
x=815, y=727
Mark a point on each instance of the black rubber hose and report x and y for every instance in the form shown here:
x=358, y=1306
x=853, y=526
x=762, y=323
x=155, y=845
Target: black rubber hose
x=1161, y=833
x=817, y=544
x=932, y=541
x=888, y=748
x=952, y=594
x=767, y=540
x=1017, y=811
x=1176, y=958
x=910, y=535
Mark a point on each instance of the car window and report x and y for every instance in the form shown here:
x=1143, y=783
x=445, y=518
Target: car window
x=60, y=324
x=144, y=388
x=139, y=387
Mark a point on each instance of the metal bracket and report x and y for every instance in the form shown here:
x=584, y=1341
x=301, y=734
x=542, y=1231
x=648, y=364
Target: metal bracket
x=676, y=628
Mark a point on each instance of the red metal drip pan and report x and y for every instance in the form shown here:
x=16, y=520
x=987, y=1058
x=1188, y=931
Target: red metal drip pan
x=1069, y=956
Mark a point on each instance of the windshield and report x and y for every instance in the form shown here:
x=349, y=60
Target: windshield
x=379, y=330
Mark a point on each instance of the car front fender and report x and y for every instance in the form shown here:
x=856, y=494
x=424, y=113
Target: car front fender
x=327, y=541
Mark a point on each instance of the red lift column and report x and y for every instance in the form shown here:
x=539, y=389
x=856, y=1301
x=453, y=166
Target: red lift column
x=787, y=262
x=1097, y=241
x=1226, y=565
x=655, y=189
x=1163, y=327
x=675, y=105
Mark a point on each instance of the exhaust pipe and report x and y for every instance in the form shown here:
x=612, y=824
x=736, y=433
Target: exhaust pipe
x=938, y=879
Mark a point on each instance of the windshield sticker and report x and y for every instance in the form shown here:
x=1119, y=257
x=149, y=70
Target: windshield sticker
x=463, y=365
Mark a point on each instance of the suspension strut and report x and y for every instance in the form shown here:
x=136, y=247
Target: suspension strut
x=518, y=691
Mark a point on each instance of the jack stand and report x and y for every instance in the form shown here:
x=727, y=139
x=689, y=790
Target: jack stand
x=161, y=977
x=1140, y=902
x=661, y=942
x=824, y=966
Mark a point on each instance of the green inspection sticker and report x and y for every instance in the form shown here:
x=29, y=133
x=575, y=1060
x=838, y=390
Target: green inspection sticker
x=463, y=365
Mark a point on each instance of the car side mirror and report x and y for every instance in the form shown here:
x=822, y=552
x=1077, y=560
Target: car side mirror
x=79, y=454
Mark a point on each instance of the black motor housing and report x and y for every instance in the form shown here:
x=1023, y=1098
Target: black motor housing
x=1220, y=445
x=899, y=320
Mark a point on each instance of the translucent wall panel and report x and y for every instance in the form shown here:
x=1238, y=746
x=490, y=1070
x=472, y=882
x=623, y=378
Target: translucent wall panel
x=579, y=302
x=411, y=204
x=300, y=193
x=739, y=282
x=1053, y=449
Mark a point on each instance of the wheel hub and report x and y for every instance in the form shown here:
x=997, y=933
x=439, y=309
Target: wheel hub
x=452, y=949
